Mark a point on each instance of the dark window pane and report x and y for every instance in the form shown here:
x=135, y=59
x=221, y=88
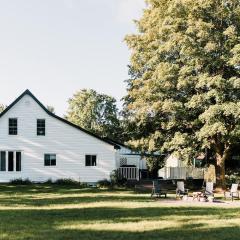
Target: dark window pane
x=47, y=157
x=41, y=127
x=3, y=161
x=12, y=128
x=10, y=161
x=50, y=159
x=94, y=160
x=18, y=161
x=47, y=162
x=53, y=162
x=90, y=160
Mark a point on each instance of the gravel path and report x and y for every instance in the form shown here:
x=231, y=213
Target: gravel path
x=193, y=203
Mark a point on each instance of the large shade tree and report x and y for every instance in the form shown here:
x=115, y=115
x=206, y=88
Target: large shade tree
x=95, y=112
x=184, y=91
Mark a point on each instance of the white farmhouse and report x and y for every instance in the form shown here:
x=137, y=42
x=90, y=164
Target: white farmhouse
x=37, y=144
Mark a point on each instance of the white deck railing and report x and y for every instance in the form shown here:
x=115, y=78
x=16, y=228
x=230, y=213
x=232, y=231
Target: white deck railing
x=183, y=173
x=129, y=173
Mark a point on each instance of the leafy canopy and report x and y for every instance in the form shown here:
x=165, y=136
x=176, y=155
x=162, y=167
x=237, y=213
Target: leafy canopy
x=184, y=91
x=95, y=112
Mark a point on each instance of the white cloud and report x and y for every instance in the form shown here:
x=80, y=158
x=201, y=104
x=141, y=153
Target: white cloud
x=127, y=10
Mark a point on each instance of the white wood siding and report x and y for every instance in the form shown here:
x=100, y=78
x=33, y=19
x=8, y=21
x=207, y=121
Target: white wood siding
x=68, y=143
x=172, y=161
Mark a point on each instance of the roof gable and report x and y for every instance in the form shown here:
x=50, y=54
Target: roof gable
x=27, y=92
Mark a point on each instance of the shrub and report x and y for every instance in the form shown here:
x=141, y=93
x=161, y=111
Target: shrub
x=83, y=185
x=232, y=176
x=104, y=183
x=122, y=182
x=49, y=181
x=20, y=181
x=116, y=179
x=66, y=181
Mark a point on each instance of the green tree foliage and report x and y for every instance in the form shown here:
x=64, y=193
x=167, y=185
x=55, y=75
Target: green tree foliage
x=95, y=112
x=2, y=107
x=184, y=93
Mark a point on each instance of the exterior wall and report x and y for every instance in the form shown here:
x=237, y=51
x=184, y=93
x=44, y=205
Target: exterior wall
x=68, y=143
x=172, y=161
x=177, y=169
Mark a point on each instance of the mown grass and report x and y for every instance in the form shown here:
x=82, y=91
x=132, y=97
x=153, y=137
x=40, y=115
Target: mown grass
x=58, y=212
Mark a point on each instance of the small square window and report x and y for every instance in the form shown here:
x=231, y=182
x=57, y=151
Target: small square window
x=90, y=160
x=49, y=159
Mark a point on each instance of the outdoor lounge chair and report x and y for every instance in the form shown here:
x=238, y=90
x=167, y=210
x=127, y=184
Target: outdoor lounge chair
x=208, y=191
x=180, y=190
x=157, y=189
x=233, y=192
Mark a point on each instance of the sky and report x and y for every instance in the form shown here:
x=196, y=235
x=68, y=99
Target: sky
x=57, y=47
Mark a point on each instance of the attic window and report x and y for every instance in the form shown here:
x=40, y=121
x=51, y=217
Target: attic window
x=41, y=127
x=12, y=126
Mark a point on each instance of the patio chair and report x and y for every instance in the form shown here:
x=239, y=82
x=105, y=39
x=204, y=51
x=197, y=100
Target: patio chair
x=180, y=190
x=208, y=191
x=158, y=190
x=233, y=192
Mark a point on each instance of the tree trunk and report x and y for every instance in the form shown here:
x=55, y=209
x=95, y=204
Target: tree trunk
x=221, y=158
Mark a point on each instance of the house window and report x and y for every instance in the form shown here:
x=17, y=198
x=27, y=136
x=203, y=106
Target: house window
x=12, y=126
x=41, y=127
x=49, y=159
x=18, y=161
x=10, y=161
x=90, y=160
x=2, y=161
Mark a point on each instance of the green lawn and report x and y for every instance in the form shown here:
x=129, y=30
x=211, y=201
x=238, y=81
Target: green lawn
x=57, y=212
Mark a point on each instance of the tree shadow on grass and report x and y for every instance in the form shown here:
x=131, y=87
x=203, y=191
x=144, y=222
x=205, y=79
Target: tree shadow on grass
x=37, y=225
x=48, y=221
x=52, y=188
x=32, y=201
x=51, y=223
x=40, y=195
x=191, y=232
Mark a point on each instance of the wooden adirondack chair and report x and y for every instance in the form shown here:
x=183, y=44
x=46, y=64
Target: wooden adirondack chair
x=157, y=189
x=233, y=192
x=180, y=190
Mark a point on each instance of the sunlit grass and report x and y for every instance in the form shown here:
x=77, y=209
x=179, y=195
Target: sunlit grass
x=57, y=212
